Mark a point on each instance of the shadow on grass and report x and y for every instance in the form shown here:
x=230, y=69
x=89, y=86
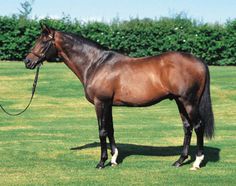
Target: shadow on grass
x=125, y=150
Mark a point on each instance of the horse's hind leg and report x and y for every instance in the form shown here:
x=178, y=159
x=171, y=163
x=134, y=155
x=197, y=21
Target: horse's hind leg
x=195, y=119
x=199, y=130
x=187, y=133
x=191, y=119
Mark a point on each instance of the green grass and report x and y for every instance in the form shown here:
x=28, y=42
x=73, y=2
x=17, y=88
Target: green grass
x=35, y=147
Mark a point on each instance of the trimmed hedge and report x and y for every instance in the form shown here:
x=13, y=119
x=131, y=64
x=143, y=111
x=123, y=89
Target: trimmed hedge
x=214, y=43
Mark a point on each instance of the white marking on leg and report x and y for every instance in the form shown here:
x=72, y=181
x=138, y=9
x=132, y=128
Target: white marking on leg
x=197, y=162
x=114, y=157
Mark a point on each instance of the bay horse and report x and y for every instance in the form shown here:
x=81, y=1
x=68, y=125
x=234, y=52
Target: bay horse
x=112, y=79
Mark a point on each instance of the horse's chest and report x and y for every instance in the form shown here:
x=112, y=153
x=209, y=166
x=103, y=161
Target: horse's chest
x=99, y=91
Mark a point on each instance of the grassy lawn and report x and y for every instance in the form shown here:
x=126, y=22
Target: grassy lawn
x=35, y=147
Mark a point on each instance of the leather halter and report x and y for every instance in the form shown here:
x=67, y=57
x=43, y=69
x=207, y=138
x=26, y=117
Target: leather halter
x=42, y=56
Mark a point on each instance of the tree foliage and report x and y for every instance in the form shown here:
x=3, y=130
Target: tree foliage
x=214, y=43
x=26, y=9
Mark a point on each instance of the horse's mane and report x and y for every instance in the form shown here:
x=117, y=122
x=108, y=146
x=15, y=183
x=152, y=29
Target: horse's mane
x=86, y=41
x=83, y=40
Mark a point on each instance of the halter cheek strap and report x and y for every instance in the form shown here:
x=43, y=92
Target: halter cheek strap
x=49, y=44
x=37, y=55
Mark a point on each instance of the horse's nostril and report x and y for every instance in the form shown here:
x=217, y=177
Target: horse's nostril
x=26, y=60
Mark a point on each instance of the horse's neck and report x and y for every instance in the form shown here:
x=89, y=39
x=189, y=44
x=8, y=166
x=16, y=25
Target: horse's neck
x=78, y=56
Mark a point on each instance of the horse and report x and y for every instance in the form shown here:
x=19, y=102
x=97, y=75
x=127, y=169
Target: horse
x=110, y=79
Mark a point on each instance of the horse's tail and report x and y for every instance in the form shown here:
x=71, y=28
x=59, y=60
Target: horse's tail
x=205, y=108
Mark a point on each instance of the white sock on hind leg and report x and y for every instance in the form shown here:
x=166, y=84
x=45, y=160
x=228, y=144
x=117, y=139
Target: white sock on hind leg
x=114, y=157
x=197, y=162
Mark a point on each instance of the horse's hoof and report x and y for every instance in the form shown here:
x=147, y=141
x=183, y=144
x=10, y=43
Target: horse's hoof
x=113, y=164
x=197, y=162
x=194, y=168
x=176, y=164
x=99, y=166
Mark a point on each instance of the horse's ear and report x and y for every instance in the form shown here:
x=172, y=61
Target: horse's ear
x=45, y=29
x=41, y=25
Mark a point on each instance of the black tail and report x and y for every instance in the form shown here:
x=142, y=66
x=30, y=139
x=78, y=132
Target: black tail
x=205, y=108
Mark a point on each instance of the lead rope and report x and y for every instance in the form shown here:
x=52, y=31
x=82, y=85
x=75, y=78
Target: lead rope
x=32, y=95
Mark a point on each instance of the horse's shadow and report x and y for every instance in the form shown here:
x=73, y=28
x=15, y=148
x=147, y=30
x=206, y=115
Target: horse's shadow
x=126, y=150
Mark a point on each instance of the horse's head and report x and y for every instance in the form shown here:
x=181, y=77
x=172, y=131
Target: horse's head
x=44, y=48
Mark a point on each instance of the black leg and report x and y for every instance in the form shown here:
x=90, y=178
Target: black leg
x=187, y=134
x=199, y=130
x=114, y=150
x=186, y=144
x=101, y=112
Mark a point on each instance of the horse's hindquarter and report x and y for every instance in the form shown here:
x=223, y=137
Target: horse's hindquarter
x=183, y=74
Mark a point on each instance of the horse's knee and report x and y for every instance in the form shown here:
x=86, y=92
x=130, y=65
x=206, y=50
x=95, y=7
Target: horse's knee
x=187, y=128
x=102, y=133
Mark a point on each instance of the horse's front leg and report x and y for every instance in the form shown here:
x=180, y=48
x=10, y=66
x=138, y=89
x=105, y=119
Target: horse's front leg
x=114, y=150
x=102, y=127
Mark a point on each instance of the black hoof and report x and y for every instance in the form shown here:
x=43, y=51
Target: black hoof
x=180, y=161
x=100, y=166
x=176, y=164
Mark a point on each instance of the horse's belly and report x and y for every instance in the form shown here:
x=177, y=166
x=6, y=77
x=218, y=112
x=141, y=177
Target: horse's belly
x=140, y=95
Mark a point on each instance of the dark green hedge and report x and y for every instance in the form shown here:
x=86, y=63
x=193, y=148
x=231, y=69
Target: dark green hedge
x=214, y=43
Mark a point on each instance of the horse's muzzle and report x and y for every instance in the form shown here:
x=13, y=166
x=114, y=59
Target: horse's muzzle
x=30, y=64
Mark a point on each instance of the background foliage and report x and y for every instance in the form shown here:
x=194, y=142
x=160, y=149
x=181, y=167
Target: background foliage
x=214, y=43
